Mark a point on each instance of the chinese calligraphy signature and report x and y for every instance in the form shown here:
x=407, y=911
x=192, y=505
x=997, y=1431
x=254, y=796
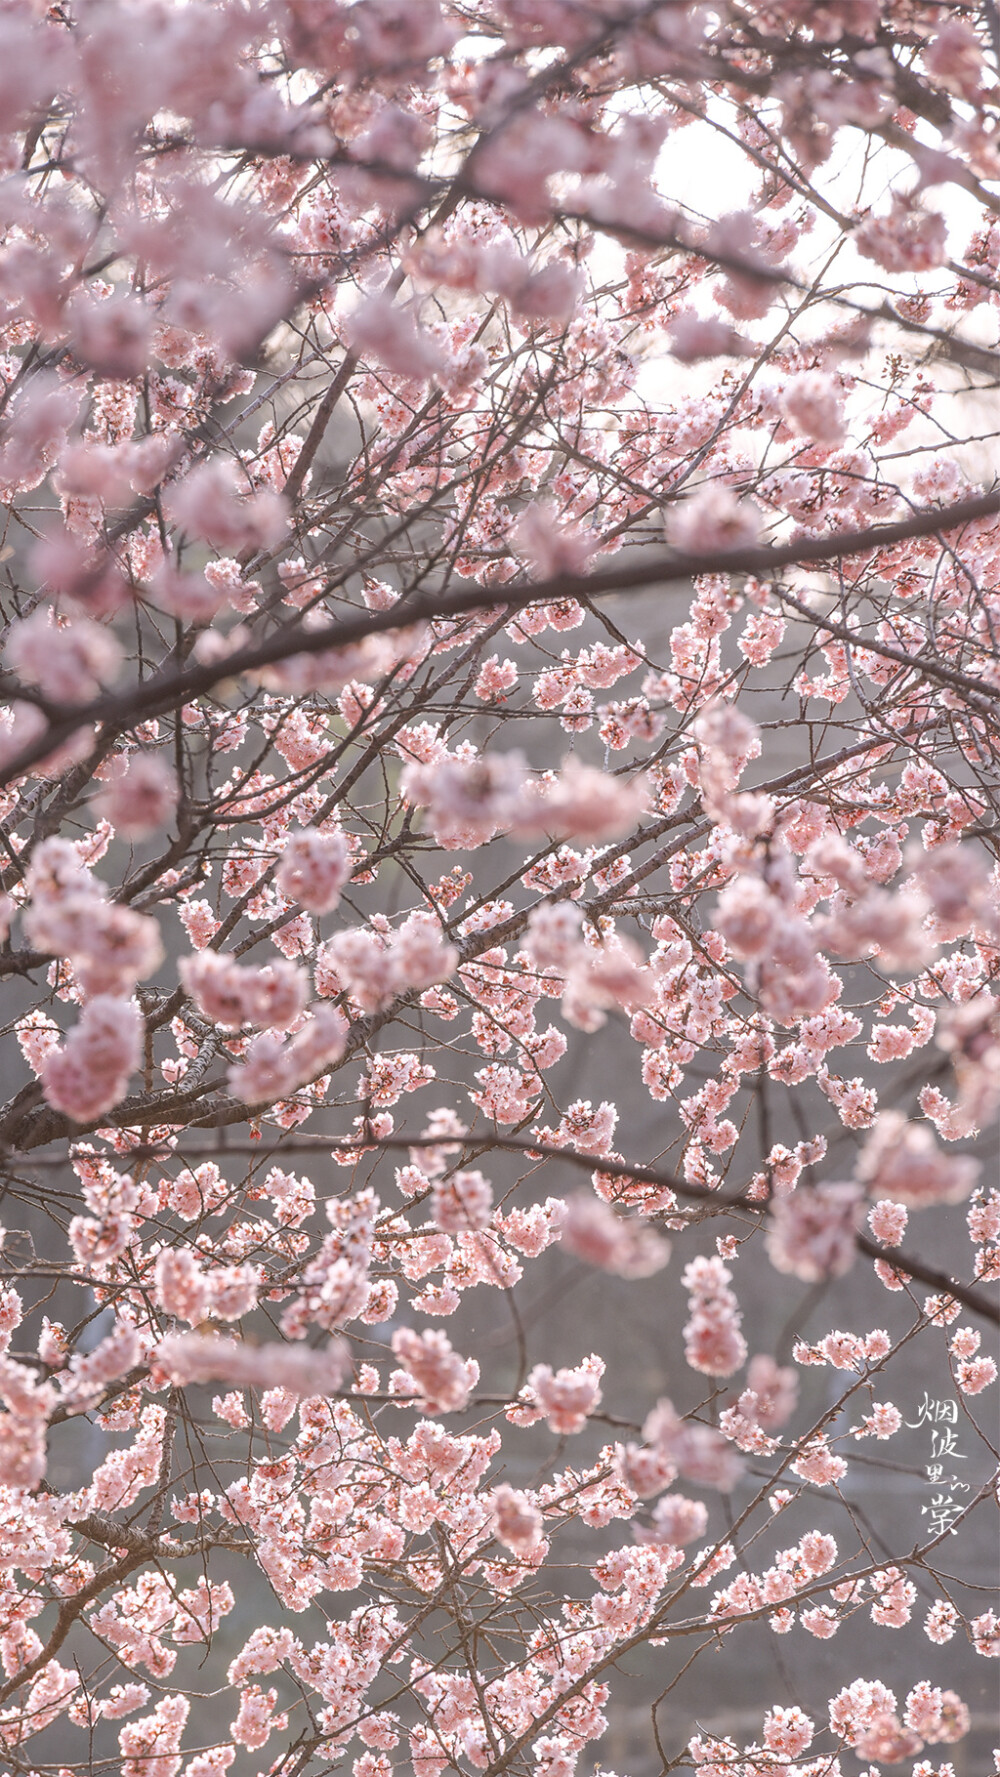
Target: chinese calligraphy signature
x=941, y=1416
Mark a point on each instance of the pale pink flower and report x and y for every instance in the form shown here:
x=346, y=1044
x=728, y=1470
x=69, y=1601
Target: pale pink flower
x=974, y=1374
x=35, y=431
x=212, y=504
x=256, y=1720
x=361, y=963
x=231, y=996
x=517, y=1522
x=199, y=922
x=421, y=954
x=377, y=966
x=53, y=1343
x=676, y=1520
x=110, y=946
x=89, y=1073
x=198, y=1357
x=788, y=1731
x=581, y=803
x=776, y=1391
x=192, y=598
x=550, y=545
x=727, y=736
x=954, y=56
x=469, y=800
x=812, y=403
x=957, y=883
x=111, y=335
x=554, y=934
x=496, y=678
x=818, y=1464
x=985, y=1631
x=941, y=1621
x=699, y=1452
x=77, y=575
x=233, y=1291
x=645, y=1471
x=889, y=925
x=748, y=916
x=906, y=239
x=818, y=1551
x=692, y=338
x=23, y=1427
x=140, y=797
x=150, y=1747
x=462, y=1201
x=313, y=869
x=762, y=635
x=901, y=1160
x=226, y=578
x=712, y=521
x=887, y=1221
x=122, y=1699
x=591, y=1231
x=69, y=662
x=566, y=1397
x=380, y=330
x=273, y=1068
x=885, y=1738
x=936, y=1715
x=883, y=1422
x=440, y=1377
x=970, y=1033
x=812, y=1232
x=182, y=1287
x=589, y=1128
x=713, y=1342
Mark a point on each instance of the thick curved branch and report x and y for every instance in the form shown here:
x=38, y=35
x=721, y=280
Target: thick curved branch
x=907, y=1263
x=168, y=688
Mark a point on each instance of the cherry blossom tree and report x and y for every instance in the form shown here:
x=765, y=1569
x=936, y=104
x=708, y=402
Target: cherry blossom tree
x=499, y=588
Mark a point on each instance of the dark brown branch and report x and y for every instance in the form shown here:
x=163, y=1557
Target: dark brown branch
x=907, y=1263
x=168, y=688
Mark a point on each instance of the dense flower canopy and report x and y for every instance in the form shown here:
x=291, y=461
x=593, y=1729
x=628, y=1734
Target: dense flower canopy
x=501, y=586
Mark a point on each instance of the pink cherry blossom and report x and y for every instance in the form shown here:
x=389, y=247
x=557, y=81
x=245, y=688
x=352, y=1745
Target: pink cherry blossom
x=141, y=796
x=712, y=519
x=462, y=1200
x=902, y=1161
x=275, y=1067
x=210, y=503
x=566, y=1397
x=70, y=662
x=693, y=338
x=549, y=547
x=517, y=1521
x=907, y=238
x=713, y=1342
x=438, y=1375
x=812, y=404
x=775, y=1388
x=393, y=337
x=591, y=1231
x=230, y=995
x=676, y=1520
x=199, y=1357
x=313, y=870
x=89, y=1073
x=812, y=1231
